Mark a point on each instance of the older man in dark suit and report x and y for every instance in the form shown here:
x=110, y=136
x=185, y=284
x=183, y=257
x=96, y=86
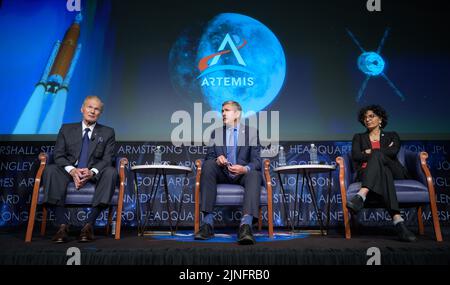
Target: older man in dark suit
x=233, y=157
x=83, y=152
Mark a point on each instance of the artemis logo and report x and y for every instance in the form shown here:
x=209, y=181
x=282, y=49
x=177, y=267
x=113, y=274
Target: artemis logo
x=73, y=5
x=206, y=68
x=373, y=5
x=230, y=57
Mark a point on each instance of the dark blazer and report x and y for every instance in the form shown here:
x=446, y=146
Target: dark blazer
x=101, y=146
x=389, y=146
x=248, y=150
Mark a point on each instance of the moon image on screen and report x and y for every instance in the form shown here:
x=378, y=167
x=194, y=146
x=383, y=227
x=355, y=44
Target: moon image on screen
x=231, y=57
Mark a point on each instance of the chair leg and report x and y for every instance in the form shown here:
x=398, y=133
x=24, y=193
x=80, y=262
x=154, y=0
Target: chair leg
x=31, y=219
x=118, y=222
x=196, y=219
x=347, y=216
x=270, y=210
x=436, y=225
x=269, y=196
x=260, y=219
x=44, y=221
x=270, y=214
x=108, y=223
x=197, y=211
x=420, y=221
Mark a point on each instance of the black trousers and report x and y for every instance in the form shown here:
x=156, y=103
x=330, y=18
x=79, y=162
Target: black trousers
x=56, y=178
x=378, y=177
x=213, y=174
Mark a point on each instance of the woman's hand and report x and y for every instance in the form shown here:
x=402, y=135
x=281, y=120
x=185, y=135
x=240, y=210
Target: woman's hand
x=368, y=151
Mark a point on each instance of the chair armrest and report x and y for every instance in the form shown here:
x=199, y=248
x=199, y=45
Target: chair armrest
x=341, y=167
x=198, y=166
x=43, y=158
x=426, y=172
x=267, y=181
x=413, y=163
x=123, y=161
x=345, y=173
x=266, y=173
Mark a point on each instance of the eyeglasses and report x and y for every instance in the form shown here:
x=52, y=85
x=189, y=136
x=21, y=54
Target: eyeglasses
x=370, y=116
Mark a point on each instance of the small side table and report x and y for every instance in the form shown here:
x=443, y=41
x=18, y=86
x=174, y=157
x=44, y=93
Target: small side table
x=306, y=170
x=159, y=172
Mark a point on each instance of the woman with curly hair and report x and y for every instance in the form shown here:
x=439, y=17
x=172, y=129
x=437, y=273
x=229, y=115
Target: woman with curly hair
x=374, y=155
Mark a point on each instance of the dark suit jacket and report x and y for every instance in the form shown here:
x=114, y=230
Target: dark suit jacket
x=248, y=150
x=389, y=146
x=101, y=146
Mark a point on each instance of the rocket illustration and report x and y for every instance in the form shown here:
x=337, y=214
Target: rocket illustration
x=44, y=111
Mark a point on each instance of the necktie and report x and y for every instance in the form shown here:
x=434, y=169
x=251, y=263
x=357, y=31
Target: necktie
x=83, y=160
x=232, y=146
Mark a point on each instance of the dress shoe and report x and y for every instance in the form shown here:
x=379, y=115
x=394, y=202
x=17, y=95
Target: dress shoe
x=245, y=235
x=61, y=235
x=403, y=233
x=355, y=204
x=205, y=232
x=87, y=233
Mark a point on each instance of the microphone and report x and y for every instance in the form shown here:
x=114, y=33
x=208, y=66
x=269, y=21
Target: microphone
x=93, y=137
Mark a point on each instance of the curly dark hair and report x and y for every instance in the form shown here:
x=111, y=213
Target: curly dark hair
x=378, y=110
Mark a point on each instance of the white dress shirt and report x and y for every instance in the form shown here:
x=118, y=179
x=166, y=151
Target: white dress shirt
x=69, y=168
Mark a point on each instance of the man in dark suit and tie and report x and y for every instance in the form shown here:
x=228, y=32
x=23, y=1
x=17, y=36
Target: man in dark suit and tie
x=83, y=152
x=233, y=157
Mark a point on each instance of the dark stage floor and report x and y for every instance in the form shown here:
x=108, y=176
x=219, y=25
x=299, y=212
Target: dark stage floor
x=302, y=250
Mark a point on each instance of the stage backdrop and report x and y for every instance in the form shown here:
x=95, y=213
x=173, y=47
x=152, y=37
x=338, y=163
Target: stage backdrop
x=19, y=163
x=316, y=62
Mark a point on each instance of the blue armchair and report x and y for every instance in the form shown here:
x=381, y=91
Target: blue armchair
x=233, y=195
x=75, y=198
x=416, y=192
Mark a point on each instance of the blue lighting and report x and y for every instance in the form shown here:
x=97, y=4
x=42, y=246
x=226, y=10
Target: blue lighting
x=371, y=63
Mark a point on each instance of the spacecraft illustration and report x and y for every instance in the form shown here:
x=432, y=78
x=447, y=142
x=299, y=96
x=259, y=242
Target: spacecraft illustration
x=372, y=64
x=44, y=111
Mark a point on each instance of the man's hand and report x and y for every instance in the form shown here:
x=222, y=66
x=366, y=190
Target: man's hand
x=81, y=176
x=221, y=160
x=237, y=169
x=368, y=151
x=77, y=176
x=87, y=174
